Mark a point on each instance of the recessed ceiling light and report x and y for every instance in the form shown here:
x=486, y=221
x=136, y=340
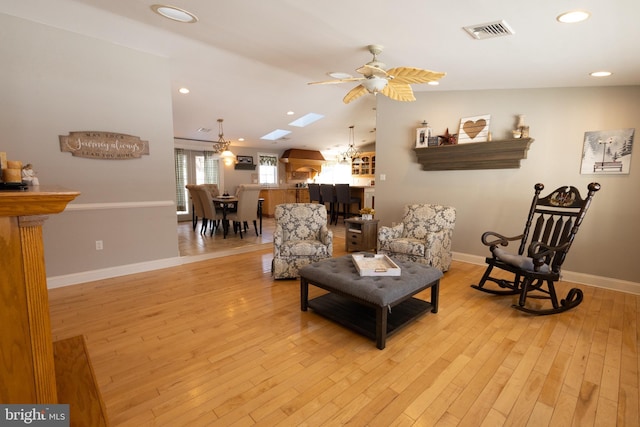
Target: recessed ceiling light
x=204, y=130
x=573, y=16
x=174, y=13
x=183, y=90
x=433, y=83
x=290, y=113
x=600, y=74
x=240, y=139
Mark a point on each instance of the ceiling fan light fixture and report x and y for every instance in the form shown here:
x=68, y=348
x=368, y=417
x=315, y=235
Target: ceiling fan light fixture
x=374, y=84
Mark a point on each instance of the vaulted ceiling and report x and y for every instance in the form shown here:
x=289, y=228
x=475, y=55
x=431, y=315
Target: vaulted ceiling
x=249, y=61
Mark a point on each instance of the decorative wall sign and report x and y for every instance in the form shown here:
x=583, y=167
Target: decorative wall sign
x=103, y=145
x=474, y=129
x=245, y=159
x=607, y=152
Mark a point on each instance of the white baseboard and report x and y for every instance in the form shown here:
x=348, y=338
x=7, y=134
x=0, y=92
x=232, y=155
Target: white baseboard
x=123, y=270
x=107, y=273
x=570, y=276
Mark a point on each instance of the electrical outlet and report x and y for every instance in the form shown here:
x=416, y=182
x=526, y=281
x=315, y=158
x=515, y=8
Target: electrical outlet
x=99, y=246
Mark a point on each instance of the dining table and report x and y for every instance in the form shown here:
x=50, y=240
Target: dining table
x=228, y=203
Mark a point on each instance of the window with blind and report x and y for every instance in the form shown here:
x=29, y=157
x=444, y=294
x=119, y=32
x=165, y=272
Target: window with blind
x=268, y=169
x=193, y=167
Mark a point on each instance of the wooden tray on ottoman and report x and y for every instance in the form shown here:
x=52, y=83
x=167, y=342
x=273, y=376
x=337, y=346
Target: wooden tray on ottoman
x=375, y=265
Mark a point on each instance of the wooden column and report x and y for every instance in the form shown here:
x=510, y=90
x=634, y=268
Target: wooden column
x=26, y=363
x=35, y=282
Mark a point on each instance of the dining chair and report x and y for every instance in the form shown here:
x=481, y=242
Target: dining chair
x=210, y=214
x=246, y=208
x=197, y=211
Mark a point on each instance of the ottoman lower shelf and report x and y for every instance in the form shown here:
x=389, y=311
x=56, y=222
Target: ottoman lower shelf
x=362, y=319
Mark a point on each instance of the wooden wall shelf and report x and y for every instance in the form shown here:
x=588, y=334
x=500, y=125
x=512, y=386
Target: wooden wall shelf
x=503, y=154
x=245, y=166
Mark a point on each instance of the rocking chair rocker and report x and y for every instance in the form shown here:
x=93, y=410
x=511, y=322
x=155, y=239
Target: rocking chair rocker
x=556, y=219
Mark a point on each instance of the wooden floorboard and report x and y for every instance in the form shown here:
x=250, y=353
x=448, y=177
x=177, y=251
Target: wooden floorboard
x=219, y=342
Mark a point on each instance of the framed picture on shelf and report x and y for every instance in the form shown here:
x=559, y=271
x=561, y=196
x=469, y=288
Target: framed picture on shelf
x=245, y=160
x=474, y=129
x=422, y=137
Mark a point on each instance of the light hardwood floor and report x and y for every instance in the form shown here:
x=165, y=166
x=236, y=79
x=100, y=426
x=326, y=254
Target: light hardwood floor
x=218, y=342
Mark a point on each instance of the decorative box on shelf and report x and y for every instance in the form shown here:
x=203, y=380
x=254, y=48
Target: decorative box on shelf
x=375, y=265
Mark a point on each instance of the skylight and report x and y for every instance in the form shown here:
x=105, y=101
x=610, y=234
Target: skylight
x=306, y=120
x=276, y=134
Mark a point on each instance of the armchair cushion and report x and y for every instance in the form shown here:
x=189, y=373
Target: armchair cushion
x=408, y=246
x=303, y=248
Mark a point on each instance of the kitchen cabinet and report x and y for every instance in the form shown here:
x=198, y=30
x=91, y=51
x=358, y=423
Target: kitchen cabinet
x=276, y=196
x=366, y=166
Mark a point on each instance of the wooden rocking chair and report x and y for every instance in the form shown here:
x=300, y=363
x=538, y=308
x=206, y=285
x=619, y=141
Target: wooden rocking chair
x=551, y=226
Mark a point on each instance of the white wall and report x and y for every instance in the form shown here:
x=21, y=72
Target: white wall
x=499, y=200
x=53, y=82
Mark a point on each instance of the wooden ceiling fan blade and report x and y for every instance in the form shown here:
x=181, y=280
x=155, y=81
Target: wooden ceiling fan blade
x=410, y=75
x=398, y=91
x=371, y=70
x=355, y=93
x=336, y=81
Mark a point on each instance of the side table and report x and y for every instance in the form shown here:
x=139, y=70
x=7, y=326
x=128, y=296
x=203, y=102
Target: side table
x=361, y=235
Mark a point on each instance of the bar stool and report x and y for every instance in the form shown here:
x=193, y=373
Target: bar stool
x=343, y=197
x=314, y=193
x=328, y=194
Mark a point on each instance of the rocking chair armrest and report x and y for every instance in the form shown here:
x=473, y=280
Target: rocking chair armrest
x=539, y=250
x=500, y=239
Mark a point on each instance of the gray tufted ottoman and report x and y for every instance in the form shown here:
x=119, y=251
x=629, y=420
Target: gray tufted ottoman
x=366, y=304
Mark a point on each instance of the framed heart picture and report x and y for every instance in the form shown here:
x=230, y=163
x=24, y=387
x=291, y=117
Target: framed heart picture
x=474, y=129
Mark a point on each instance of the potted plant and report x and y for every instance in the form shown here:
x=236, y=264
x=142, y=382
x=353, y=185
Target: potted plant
x=367, y=213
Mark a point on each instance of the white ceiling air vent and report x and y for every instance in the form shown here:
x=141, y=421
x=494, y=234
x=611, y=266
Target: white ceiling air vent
x=489, y=30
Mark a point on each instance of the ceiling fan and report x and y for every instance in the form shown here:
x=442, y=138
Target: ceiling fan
x=393, y=83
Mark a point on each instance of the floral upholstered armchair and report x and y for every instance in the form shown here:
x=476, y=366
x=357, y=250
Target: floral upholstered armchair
x=423, y=236
x=301, y=237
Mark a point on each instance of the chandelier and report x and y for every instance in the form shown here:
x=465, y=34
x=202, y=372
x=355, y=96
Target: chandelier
x=352, y=154
x=222, y=145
